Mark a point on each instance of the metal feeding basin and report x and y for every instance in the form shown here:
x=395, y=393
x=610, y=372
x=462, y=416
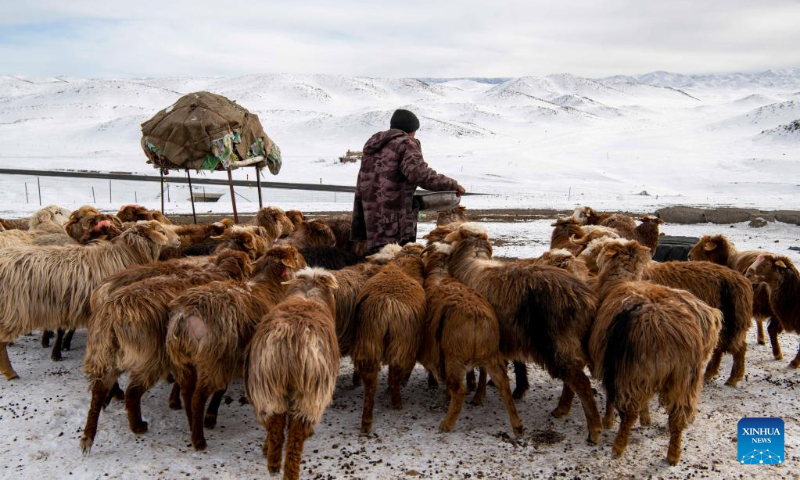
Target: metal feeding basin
x=436, y=201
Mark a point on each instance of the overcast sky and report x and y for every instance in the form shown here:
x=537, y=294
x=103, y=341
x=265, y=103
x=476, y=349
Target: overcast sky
x=411, y=38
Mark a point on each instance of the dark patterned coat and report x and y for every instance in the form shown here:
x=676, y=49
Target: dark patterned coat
x=391, y=170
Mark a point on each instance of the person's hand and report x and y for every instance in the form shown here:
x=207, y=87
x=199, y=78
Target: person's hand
x=460, y=191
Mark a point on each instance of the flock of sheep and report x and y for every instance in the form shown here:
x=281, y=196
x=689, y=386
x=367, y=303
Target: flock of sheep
x=280, y=301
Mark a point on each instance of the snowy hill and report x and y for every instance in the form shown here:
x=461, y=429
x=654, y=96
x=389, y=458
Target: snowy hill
x=552, y=141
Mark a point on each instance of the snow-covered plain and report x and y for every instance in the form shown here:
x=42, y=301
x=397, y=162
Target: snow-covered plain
x=553, y=141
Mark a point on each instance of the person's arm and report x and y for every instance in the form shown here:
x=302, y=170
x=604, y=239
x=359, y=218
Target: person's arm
x=416, y=170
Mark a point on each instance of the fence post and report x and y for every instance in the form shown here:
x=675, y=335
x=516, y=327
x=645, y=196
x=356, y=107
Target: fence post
x=26, y=192
x=39, y=184
x=94, y=199
x=109, y=191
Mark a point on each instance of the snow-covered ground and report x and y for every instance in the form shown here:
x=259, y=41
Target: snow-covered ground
x=42, y=416
x=553, y=141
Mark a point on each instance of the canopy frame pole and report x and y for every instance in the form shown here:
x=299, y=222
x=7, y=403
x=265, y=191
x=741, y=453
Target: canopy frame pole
x=258, y=186
x=233, y=196
x=161, y=171
x=191, y=196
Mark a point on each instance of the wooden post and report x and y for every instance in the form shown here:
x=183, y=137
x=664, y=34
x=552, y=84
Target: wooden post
x=161, y=171
x=39, y=184
x=191, y=196
x=258, y=185
x=233, y=197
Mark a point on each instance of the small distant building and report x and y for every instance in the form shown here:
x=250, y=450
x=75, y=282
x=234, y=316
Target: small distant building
x=351, y=156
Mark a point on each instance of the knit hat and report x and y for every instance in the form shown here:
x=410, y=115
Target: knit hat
x=404, y=120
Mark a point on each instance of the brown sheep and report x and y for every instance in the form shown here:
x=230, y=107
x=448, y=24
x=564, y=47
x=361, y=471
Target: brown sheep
x=47, y=288
x=45, y=228
x=292, y=366
x=461, y=333
x=647, y=233
x=275, y=221
x=721, y=288
x=622, y=224
x=14, y=223
x=589, y=216
x=341, y=227
x=210, y=327
x=782, y=282
x=296, y=217
x=648, y=339
x=135, y=213
x=127, y=334
x=456, y=216
x=390, y=315
x=197, y=239
x=545, y=313
x=564, y=229
x=438, y=234
x=718, y=249
x=311, y=234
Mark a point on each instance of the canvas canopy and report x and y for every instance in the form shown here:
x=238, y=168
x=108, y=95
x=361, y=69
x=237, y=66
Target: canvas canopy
x=205, y=131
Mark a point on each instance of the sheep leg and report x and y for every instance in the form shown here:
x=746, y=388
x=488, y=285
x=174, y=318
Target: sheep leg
x=210, y=420
x=627, y=419
x=644, y=415
x=712, y=370
x=356, y=378
x=796, y=362
x=175, y=397
x=133, y=404
x=760, y=331
x=564, y=402
x=100, y=390
x=395, y=376
x=115, y=393
x=774, y=328
x=677, y=422
x=608, y=418
x=370, y=378
x=471, y=380
x=432, y=383
x=738, y=369
x=299, y=431
x=5, y=363
x=46, y=336
x=499, y=374
x=55, y=354
x=199, y=399
x=188, y=383
x=577, y=381
x=273, y=444
x=480, y=390
x=521, y=375
x=457, y=392
x=67, y=344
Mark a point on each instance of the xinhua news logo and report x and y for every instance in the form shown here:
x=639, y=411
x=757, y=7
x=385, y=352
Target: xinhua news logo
x=760, y=441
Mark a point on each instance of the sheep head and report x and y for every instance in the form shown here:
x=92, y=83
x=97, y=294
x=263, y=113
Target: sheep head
x=438, y=234
x=235, y=264
x=296, y=216
x=98, y=227
x=314, y=283
x=471, y=235
x=769, y=268
x=651, y=219
x=157, y=233
x=281, y=260
x=456, y=215
x=386, y=254
x=712, y=248
x=319, y=234
x=275, y=221
x=623, y=259
x=586, y=216
x=248, y=239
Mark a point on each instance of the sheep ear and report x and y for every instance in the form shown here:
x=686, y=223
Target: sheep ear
x=780, y=264
x=155, y=236
x=329, y=281
x=709, y=246
x=452, y=237
x=289, y=262
x=609, y=253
